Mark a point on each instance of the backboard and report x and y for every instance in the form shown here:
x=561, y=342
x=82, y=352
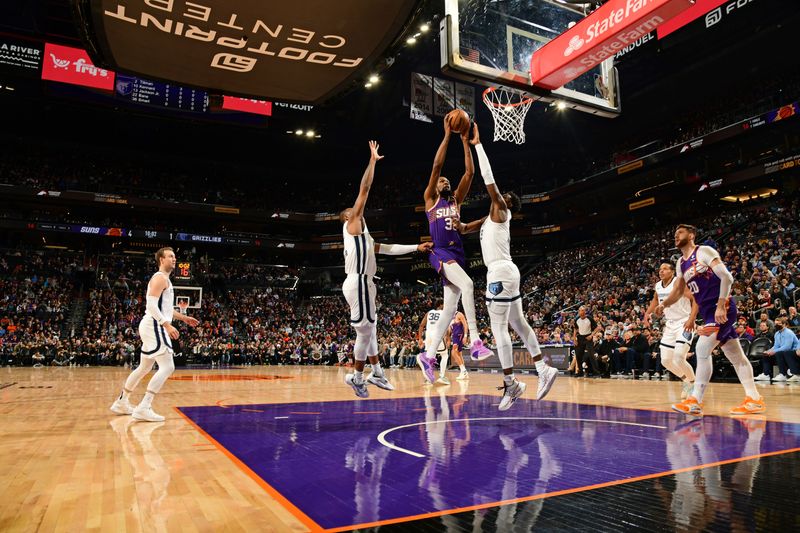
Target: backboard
x=490, y=42
x=192, y=295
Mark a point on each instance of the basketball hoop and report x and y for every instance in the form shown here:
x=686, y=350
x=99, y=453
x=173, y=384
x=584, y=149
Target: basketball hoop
x=508, y=111
x=183, y=305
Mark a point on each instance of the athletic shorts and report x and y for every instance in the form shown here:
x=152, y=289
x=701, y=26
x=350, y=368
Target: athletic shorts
x=155, y=340
x=440, y=256
x=726, y=331
x=674, y=334
x=502, y=282
x=359, y=291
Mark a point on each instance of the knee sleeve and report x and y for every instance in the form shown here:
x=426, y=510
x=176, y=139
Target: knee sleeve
x=166, y=366
x=144, y=368
x=498, y=316
x=520, y=324
x=364, y=333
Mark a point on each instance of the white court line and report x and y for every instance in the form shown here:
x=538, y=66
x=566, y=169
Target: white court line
x=382, y=436
x=277, y=417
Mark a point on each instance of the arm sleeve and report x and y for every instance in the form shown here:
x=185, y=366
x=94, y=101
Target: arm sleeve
x=706, y=256
x=396, y=249
x=152, y=308
x=483, y=163
x=725, y=280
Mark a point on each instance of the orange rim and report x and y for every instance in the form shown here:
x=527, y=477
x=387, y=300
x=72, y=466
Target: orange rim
x=525, y=100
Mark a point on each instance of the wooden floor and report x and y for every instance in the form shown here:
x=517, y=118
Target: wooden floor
x=68, y=464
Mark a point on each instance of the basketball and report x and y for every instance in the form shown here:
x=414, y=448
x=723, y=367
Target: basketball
x=459, y=120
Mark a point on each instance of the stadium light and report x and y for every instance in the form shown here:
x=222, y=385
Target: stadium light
x=411, y=40
x=298, y=132
x=310, y=133
x=374, y=78
x=368, y=85
x=561, y=106
x=424, y=28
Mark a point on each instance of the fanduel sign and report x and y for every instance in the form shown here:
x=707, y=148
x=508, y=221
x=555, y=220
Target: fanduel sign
x=601, y=35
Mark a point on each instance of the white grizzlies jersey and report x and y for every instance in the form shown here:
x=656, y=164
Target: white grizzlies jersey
x=496, y=240
x=359, y=252
x=681, y=309
x=434, y=316
x=167, y=299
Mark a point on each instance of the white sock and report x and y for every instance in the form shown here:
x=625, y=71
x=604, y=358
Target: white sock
x=540, y=365
x=705, y=345
x=377, y=370
x=509, y=378
x=147, y=401
x=462, y=368
x=358, y=376
x=744, y=371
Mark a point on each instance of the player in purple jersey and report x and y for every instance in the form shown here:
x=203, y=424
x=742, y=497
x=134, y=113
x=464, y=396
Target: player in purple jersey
x=458, y=328
x=703, y=272
x=443, y=207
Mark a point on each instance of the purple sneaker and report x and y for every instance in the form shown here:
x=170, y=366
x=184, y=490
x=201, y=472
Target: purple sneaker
x=427, y=366
x=478, y=351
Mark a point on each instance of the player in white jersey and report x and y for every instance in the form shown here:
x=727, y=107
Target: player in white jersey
x=676, y=338
x=503, y=298
x=429, y=324
x=358, y=287
x=157, y=333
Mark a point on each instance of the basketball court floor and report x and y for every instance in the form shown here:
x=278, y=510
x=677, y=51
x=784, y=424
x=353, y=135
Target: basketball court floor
x=292, y=449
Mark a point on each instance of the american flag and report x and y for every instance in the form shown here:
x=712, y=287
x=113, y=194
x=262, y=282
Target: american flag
x=471, y=55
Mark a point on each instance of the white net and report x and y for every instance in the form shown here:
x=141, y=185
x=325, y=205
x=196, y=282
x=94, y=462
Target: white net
x=508, y=111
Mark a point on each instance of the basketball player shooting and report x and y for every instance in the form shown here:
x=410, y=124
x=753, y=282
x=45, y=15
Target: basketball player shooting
x=703, y=272
x=359, y=289
x=503, y=299
x=442, y=207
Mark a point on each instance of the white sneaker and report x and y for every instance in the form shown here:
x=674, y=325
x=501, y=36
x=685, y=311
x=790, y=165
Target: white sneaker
x=794, y=379
x=546, y=380
x=359, y=388
x=442, y=381
x=463, y=376
x=779, y=378
x=657, y=375
x=511, y=393
x=645, y=375
x=380, y=382
x=762, y=377
x=121, y=407
x=146, y=414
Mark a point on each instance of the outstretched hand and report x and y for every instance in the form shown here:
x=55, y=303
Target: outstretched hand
x=373, y=149
x=476, y=137
x=425, y=247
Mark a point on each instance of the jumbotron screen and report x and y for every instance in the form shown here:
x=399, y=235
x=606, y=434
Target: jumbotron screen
x=294, y=51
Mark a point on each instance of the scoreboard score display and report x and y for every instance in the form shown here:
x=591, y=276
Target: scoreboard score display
x=184, y=271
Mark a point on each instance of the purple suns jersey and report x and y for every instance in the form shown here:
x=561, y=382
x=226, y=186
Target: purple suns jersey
x=441, y=218
x=457, y=333
x=699, y=278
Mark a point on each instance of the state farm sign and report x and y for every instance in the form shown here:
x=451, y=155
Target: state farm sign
x=598, y=37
